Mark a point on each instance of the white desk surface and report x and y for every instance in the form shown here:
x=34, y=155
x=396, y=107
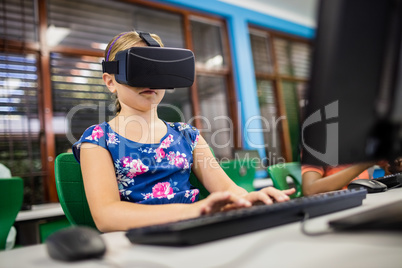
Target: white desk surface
x=40, y=212
x=283, y=246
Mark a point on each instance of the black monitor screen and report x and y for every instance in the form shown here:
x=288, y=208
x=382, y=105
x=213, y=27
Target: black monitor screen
x=354, y=111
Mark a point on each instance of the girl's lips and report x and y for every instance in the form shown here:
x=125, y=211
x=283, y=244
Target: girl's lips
x=148, y=91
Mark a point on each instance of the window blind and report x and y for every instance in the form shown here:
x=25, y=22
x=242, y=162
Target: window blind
x=92, y=24
x=270, y=122
x=293, y=57
x=18, y=20
x=80, y=98
x=262, y=58
x=19, y=122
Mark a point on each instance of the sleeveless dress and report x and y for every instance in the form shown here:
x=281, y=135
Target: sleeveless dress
x=149, y=173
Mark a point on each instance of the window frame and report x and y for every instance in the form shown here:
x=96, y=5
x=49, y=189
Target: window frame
x=277, y=79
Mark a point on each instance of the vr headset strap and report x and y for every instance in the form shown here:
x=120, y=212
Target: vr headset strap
x=112, y=67
x=148, y=39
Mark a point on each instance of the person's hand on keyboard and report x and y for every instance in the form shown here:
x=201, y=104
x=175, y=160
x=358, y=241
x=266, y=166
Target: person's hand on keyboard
x=269, y=195
x=218, y=201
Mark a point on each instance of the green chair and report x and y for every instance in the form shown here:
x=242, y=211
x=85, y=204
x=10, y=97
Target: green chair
x=241, y=171
x=197, y=184
x=11, y=196
x=70, y=189
x=280, y=172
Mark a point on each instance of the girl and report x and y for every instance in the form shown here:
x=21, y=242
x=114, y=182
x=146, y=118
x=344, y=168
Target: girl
x=151, y=161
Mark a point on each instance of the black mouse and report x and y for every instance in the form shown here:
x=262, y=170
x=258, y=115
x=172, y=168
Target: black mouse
x=372, y=186
x=75, y=243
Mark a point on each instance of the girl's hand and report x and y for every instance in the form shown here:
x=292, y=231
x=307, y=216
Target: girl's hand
x=269, y=195
x=217, y=201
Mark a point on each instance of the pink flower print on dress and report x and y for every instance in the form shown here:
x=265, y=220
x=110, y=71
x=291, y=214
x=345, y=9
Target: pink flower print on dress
x=195, y=193
x=187, y=194
x=194, y=143
x=179, y=160
x=159, y=152
x=171, y=156
x=112, y=139
x=125, y=161
x=136, y=168
x=166, y=142
x=97, y=133
x=162, y=190
x=147, y=196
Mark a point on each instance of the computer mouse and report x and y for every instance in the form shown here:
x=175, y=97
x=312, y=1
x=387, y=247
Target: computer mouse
x=75, y=243
x=372, y=186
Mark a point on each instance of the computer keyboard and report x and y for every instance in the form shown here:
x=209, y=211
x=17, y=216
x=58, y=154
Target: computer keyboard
x=235, y=222
x=392, y=181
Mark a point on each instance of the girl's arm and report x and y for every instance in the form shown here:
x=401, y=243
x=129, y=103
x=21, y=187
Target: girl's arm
x=112, y=214
x=314, y=183
x=214, y=178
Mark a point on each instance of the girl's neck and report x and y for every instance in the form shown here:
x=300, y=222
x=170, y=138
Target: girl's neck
x=149, y=116
x=143, y=127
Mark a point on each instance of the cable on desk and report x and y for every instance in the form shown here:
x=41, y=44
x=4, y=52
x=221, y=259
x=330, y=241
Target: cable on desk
x=396, y=186
x=304, y=230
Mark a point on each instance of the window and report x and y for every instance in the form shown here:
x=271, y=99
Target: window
x=20, y=126
x=212, y=85
x=270, y=120
x=282, y=66
x=92, y=24
x=80, y=99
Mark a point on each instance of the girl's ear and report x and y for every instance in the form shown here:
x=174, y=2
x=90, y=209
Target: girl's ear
x=109, y=82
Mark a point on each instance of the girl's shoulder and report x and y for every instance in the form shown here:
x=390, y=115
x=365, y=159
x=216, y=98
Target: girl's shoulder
x=98, y=130
x=188, y=132
x=182, y=127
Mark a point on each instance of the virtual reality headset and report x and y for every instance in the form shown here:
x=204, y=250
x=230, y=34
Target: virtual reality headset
x=153, y=66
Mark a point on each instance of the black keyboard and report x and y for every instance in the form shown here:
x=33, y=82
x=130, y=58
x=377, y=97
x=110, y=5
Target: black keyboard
x=392, y=181
x=230, y=223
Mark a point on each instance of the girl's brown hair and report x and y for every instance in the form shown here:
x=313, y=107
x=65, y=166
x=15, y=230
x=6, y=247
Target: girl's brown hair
x=122, y=42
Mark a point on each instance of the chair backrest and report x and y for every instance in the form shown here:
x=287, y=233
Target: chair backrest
x=197, y=184
x=70, y=189
x=11, y=196
x=280, y=172
x=241, y=171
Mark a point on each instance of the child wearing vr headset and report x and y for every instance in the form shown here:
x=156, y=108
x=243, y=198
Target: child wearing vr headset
x=136, y=167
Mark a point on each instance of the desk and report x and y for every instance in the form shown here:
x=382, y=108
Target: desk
x=283, y=246
x=42, y=211
x=28, y=221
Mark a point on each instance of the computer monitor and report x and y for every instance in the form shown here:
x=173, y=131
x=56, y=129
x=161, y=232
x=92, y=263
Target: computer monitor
x=354, y=106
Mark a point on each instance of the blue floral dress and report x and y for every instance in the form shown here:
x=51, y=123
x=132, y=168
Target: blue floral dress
x=149, y=173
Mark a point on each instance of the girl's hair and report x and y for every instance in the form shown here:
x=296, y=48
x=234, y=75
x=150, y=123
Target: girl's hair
x=122, y=42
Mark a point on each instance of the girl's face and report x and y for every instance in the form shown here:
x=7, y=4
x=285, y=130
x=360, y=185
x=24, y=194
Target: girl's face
x=141, y=99
x=134, y=98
